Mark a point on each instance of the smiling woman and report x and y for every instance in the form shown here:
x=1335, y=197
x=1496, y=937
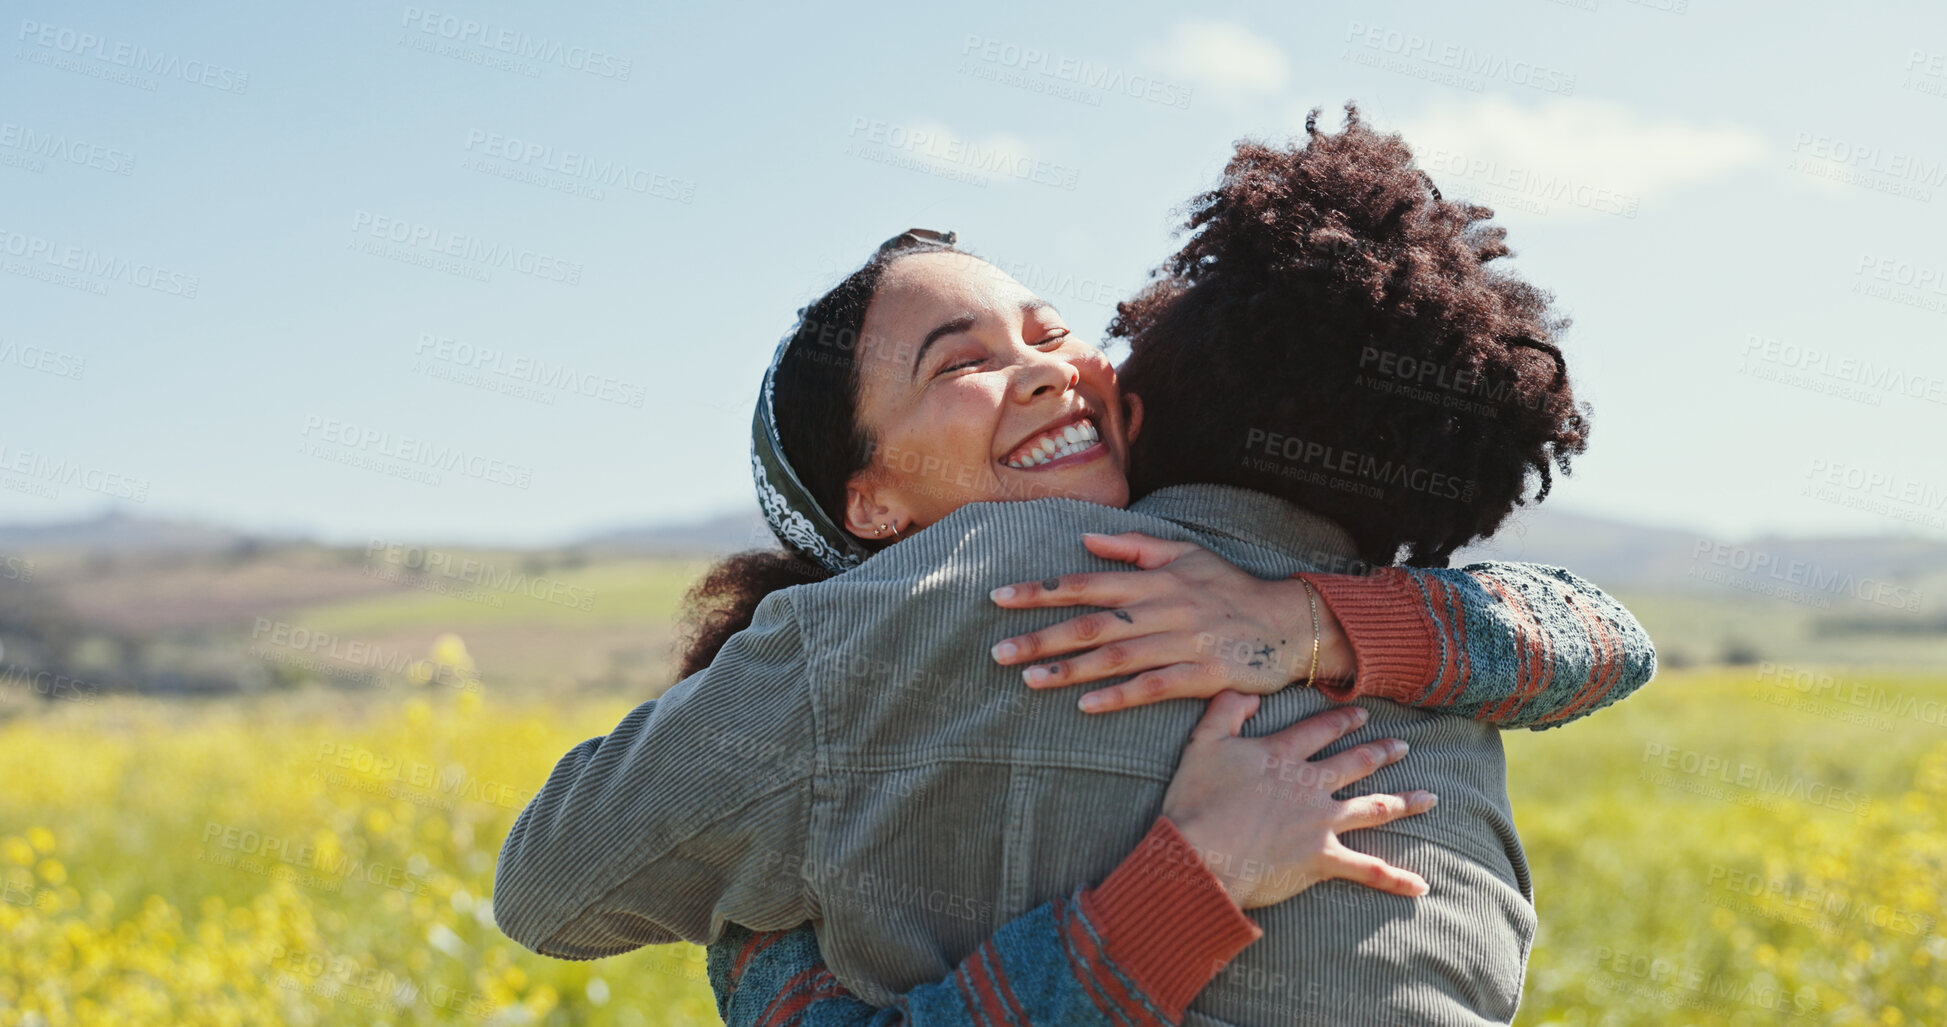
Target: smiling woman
x=925, y=380
x=1001, y=400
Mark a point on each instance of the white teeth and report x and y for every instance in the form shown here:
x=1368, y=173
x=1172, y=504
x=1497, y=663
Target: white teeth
x=1068, y=441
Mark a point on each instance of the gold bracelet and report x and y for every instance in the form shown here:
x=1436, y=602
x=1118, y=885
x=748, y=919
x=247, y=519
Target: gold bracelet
x=1312, y=597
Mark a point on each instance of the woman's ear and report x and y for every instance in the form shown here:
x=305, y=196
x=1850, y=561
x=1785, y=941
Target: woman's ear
x=872, y=514
x=1132, y=405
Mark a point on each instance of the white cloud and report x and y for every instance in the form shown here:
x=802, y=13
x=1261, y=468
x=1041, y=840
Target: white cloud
x=1571, y=154
x=1004, y=143
x=1222, y=56
x=929, y=146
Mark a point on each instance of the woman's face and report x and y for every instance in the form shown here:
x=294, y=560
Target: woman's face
x=973, y=390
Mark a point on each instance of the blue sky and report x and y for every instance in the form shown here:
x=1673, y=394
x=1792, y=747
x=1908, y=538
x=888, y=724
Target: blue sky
x=260, y=262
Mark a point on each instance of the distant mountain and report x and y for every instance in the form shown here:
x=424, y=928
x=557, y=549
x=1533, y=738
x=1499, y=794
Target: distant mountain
x=711, y=536
x=1614, y=554
x=121, y=534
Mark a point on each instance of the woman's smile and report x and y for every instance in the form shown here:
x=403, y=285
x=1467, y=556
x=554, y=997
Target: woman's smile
x=1070, y=441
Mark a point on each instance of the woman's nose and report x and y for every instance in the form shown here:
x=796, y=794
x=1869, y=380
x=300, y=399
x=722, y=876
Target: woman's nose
x=1047, y=373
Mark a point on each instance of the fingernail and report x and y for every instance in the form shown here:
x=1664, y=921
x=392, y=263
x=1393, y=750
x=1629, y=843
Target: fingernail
x=1399, y=748
x=1005, y=651
x=1036, y=675
x=1003, y=592
x=1429, y=800
x=1359, y=714
x=1091, y=703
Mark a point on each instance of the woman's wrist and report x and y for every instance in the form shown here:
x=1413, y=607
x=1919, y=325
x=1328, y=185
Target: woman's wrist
x=1294, y=602
x=1166, y=919
x=1386, y=635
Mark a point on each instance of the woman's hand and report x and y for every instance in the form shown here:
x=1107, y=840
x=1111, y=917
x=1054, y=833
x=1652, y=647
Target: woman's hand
x=1189, y=624
x=1261, y=811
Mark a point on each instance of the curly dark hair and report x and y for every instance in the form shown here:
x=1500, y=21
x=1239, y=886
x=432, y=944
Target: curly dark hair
x=818, y=423
x=1332, y=333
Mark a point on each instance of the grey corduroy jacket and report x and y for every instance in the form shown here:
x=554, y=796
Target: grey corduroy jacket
x=856, y=760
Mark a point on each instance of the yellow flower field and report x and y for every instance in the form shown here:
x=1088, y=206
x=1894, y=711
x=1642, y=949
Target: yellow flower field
x=1704, y=854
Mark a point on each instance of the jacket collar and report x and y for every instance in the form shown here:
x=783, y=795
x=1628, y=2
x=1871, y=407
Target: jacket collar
x=1260, y=519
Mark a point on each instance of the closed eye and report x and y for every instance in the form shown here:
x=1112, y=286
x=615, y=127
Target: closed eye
x=1060, y=335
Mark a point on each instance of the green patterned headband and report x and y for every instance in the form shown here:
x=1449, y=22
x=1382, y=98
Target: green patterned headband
x=792, y=512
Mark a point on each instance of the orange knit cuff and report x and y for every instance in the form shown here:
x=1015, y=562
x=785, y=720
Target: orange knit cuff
x=1392, y=634
x=1166, y=920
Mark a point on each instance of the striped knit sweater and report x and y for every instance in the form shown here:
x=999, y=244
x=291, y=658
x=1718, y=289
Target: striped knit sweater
x=1100, y=957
